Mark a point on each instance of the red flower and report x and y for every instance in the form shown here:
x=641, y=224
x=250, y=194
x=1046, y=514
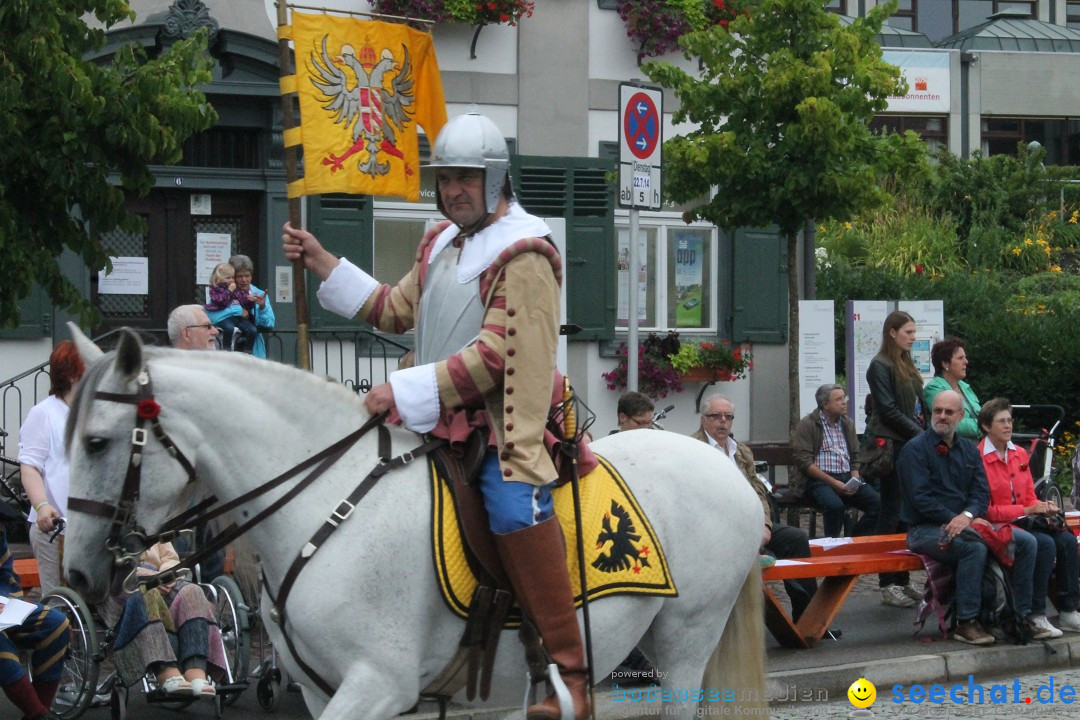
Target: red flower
x=491, y=6
x=880, y=442
x=919, y=269
x=147, y=409
x=1023, y=467
x=942, y=449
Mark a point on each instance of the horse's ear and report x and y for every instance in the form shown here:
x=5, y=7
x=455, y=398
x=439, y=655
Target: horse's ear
x=88, y=351
x=129, y=360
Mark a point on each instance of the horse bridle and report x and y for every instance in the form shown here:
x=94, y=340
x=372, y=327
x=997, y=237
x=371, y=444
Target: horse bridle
x=126, y=539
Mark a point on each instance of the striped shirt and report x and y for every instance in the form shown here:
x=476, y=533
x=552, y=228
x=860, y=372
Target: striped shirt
x=833, y=455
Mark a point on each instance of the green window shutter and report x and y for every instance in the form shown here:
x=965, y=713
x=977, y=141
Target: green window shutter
x=577, y=189
x=35, y=317
x=759, y=286
x=343, y=225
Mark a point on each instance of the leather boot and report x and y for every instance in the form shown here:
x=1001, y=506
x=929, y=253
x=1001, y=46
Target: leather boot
x=535, y=561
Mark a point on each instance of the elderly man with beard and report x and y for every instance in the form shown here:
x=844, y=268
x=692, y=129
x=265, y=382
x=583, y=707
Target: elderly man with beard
x=944, y=492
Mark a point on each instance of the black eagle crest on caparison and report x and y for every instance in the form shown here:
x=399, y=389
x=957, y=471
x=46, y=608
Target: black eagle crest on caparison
x=623, y=554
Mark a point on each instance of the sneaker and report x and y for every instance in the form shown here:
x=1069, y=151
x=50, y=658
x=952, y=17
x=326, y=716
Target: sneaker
x=913, y=591
x=972, y=633
x=1069, y=620
x=1042, y=629
x=894, y=595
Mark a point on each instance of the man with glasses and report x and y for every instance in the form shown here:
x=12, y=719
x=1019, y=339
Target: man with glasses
x=635, y=411
x=825, y=472
x=191, y=329
x=483, y=296
x=778, y=540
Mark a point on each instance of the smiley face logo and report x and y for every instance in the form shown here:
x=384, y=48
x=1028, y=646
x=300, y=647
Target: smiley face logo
x=862, y=693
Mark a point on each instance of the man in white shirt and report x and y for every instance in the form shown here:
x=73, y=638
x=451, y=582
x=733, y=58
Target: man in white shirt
x=778, y=540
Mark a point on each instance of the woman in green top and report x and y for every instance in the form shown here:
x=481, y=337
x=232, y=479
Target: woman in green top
x=950, y=368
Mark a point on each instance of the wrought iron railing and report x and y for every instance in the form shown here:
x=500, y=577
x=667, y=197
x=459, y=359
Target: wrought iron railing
x=358, y=359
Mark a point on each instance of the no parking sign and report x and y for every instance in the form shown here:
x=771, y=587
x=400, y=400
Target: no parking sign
x=641, y=113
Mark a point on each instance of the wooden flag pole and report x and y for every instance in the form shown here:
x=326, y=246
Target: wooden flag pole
x=303, y=345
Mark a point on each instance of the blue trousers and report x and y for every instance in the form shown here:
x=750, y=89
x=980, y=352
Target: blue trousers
x=966, y=554
x=45, y=633
x=1068, y=571
x=833, y=506
x=1032, y=565
x=512, y=505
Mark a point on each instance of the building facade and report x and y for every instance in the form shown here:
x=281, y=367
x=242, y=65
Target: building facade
x=552, y=85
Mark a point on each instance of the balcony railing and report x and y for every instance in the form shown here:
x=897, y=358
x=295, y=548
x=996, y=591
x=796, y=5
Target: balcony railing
x=359, y=359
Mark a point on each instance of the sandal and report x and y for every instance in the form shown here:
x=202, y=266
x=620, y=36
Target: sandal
x=176, y=685
x=201, y=687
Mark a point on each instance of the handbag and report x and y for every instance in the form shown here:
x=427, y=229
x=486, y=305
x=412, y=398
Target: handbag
x=875, y=457
x=1042, y=523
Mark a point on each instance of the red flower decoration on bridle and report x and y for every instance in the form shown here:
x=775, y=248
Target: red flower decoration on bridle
x=147, y=409
x=942, y=449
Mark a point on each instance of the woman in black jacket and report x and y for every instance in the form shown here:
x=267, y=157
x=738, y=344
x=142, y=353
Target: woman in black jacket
x=896, y=389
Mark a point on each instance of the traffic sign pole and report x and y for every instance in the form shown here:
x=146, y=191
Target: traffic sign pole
x=641, y=113
x=633, y=288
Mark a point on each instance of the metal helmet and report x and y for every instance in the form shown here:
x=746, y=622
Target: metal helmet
x=473, y=141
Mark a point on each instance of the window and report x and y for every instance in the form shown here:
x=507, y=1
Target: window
x=934, y=130
x=1059, y=136
x=1072, y=13
x=906, y=16
x=675, y=277
x=835, y=6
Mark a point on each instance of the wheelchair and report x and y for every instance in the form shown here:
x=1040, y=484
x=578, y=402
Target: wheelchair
x=80, y=684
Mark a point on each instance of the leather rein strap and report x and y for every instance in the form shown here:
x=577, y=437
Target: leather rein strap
x=125, y=535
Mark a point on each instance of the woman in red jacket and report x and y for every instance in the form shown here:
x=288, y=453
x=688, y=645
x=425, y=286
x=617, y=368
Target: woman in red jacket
x=1012, y=497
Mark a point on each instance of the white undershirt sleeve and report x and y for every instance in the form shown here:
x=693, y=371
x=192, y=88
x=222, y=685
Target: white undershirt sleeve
x=346, y=290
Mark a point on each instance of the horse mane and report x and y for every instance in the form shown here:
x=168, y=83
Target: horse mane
x=282, y=376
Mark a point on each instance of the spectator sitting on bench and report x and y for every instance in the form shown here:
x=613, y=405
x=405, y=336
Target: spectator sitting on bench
x=780, y=541
x=824, y=446
x=943, y=492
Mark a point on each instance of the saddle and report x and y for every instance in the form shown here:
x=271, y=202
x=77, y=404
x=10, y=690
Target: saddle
x=472, y=664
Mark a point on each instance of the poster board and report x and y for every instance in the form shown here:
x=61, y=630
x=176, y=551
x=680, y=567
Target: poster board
x=817, y=350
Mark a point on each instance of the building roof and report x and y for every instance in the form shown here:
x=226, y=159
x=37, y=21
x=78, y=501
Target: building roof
x=183, y=16
x=894, y=37
x=1013, y=30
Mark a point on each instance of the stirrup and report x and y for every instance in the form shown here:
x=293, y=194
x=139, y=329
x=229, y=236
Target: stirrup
x=562, y=693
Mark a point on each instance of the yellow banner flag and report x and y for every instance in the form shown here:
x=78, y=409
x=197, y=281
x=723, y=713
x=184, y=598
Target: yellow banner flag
x=364, y=86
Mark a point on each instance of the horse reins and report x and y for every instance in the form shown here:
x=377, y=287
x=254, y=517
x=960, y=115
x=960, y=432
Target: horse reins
x=127, y=540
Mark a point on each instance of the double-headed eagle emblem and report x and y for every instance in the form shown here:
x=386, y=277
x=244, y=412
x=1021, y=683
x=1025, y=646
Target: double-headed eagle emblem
x=364, y=102
x=623, y=554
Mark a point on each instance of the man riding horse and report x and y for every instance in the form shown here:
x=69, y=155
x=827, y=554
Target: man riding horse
x=483, y=296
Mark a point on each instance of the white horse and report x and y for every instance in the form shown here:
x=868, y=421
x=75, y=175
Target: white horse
x=366, y=612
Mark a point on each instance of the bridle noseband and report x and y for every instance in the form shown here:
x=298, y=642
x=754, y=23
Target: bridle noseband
x=126, y=539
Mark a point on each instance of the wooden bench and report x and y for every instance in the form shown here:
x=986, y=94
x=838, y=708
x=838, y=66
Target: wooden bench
x=27, y=570
x=838, y=575
x=780, y=455
x=839, y=567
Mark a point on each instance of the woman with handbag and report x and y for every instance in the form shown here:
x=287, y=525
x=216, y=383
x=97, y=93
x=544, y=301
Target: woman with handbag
x=1013, y=500
x=896, y=390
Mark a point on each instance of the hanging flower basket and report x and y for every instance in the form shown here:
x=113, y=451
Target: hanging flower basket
x=469, y=12
x=665, y=363
x=656, y=25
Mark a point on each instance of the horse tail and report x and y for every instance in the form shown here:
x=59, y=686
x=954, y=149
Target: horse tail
x=737, y=665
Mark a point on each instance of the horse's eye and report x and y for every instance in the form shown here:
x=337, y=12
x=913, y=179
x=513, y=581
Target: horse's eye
x=95, y=445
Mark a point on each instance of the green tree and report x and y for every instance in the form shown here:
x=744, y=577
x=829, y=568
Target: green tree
x=782, y=107
x=69, y=124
